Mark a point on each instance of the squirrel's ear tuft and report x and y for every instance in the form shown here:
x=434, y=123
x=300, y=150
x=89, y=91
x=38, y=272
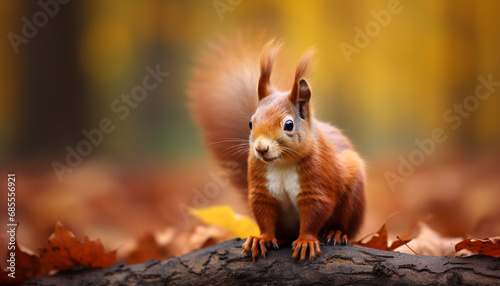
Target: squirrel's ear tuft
x=266, y=65
x=300, y=89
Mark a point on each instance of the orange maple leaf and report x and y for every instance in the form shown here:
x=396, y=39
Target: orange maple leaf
x=485, y=246
x=379, y=241
x=64, y=251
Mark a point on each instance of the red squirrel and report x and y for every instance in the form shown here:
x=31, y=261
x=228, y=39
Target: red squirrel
x=304, y=178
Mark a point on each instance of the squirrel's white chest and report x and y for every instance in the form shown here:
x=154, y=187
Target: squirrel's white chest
x=283, y=184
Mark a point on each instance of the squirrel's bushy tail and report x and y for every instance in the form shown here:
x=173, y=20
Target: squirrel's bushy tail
x=223, y=92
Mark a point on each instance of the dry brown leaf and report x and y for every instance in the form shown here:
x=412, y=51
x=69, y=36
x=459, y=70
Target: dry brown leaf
x=178, y=241
x=64, y=251
x=203, y=236
x=379, y=241
x=147, y=248
x=6, y=280
x=27, y=266
x=485, y=246
x=429, y=242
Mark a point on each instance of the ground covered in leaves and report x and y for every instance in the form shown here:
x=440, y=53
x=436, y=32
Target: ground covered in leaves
x=102, y=214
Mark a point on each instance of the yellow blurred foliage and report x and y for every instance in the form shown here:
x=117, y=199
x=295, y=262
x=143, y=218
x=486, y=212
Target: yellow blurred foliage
x=106, y=51
x=225, y=218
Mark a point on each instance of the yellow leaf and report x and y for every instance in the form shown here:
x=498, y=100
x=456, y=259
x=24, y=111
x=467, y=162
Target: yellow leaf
x=225, y=218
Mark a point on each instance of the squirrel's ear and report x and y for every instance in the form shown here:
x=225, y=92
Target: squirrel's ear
x=300, y=89
x=303, y=96
x=266, y=65
x=304, y=91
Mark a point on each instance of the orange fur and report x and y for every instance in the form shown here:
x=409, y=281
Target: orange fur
x=222, y=89
x=266, y=66
x=297, y=166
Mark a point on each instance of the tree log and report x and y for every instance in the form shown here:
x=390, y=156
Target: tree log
x=224, y=264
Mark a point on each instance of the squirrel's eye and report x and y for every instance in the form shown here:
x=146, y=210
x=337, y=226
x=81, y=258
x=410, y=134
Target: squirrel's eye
x=250, y=125
x=289, y=125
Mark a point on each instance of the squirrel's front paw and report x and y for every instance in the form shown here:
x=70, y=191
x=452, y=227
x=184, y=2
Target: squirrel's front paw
x=263, y=242
x=302, y=244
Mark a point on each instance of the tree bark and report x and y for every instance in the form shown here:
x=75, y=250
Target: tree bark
x=224, y=264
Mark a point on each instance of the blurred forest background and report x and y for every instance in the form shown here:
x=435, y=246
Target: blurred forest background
x=64, y=78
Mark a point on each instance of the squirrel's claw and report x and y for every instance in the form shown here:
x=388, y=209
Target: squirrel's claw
x=337, y=237
x=301, y=246
x=257, y=245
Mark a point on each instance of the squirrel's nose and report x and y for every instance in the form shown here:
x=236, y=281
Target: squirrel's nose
x=262, y=149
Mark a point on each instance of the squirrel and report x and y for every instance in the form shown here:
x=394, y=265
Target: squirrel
x=303, y=176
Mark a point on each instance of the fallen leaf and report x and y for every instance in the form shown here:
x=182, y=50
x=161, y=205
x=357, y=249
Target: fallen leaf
x=23, y=265
x=6, y=280
x=179, y=241
x=202, y=236
x=225, y=218
x=485, y=246
x=64, y=251
x=379, y=241
x=147, y=249
x=429, y=242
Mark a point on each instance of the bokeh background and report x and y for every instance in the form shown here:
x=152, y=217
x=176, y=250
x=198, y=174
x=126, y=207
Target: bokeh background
x=64, y=78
